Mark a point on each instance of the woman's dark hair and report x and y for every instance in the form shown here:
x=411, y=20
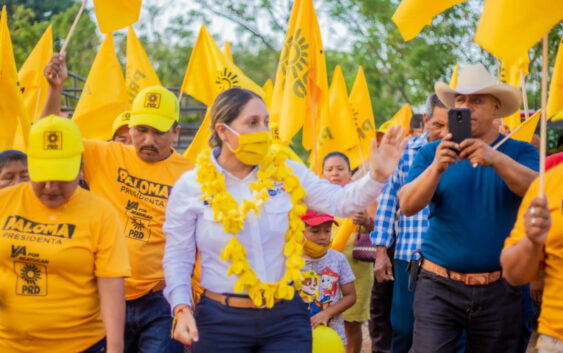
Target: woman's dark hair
x=8, y=156
x=226, y=108
x=337, y=154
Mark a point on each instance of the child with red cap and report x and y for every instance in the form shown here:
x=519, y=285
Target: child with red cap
x=328, y=281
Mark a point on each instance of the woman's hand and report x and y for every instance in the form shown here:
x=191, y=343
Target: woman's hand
x=384, y=159
x=185, y=330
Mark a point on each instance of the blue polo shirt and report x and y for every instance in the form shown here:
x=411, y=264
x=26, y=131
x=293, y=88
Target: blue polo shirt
x=472, y=210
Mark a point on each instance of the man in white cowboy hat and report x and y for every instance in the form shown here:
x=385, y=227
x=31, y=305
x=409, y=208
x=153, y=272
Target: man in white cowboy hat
x=474, y=193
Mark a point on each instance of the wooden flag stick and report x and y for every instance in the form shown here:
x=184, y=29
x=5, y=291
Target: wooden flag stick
x=543, y=120
x=73, y=27
x=524, y=94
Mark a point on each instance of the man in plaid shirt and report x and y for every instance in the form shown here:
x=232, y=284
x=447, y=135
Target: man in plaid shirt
x=409, y=230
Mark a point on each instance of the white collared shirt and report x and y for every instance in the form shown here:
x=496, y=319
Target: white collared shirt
x=189, y=225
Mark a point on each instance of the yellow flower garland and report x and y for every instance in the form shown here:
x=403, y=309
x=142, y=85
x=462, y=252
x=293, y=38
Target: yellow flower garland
x=232, y=217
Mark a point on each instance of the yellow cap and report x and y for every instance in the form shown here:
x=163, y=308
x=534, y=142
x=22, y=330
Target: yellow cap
x=121, y=120
x=55, y=150
x=155, y=106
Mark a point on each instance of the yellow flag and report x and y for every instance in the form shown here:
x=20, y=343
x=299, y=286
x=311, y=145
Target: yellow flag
x=12, y=109
x=337, y=131
x=116, y=14
x=362, y=111
x=412, y=15
x=511, y=74
x=227, y=51
x=268, y=93
x=33, y=83
x=104, y=95
x=453, y=79
x=402, y=117
x=555, y=101
x=509, y=28
x=301, y=87
x=138, y=71
x=526, y=131
x=209, y=73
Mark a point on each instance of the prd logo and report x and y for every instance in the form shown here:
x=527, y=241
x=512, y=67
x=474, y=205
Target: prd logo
x=294, y=60
x=152, y=100
x=53, y=140
x=31, y=279
x=226, y=80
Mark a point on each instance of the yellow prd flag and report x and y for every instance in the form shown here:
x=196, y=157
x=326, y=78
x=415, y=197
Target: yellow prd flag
x=33, y=83
x=509, y=28
x=402, y=117
x=301, y=87
x=412, y=15
x=268, y=93
x=227, y=51
x=453, y=79
x=362, y=111
x=511, y=74
x=337, y=130
x=209, y=73
x=104, y=95
x=526, y=131
x=12, y=109
x=138, y=71
x=555, y=101
x=116, y=14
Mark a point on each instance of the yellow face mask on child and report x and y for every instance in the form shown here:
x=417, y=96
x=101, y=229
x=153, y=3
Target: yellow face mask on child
x=252, y=147
x=315, y=250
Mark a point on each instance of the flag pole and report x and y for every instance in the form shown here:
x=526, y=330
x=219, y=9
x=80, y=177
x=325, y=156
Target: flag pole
x=524, y=94
x=73, y=27
x=543, y=122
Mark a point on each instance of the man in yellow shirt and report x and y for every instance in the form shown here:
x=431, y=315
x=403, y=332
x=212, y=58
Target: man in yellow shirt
x=61, y=272
x=137, y=180
x=537, y=238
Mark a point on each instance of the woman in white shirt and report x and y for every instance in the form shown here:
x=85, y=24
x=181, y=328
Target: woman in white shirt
x=240, y=209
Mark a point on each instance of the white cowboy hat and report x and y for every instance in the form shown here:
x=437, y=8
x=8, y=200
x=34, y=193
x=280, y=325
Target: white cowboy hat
x=475, y=79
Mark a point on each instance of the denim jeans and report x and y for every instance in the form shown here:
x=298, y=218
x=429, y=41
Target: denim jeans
x=98, y=347
x=491, y=315
x=147, y=326
x=285, y=328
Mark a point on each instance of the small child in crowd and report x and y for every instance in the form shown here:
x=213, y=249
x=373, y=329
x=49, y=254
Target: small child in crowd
x=328, y=281
x=13, y=168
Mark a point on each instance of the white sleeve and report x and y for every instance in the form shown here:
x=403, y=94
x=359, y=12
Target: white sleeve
x=334, y=199
x=180, y=249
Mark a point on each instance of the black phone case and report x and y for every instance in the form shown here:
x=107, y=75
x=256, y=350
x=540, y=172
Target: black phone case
x=459, y=123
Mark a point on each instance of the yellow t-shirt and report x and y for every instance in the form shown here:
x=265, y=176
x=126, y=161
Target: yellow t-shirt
x=139, y=192
x=49, y=261
x=551, y=317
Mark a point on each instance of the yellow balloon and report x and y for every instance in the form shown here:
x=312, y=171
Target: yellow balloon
x=326, y=340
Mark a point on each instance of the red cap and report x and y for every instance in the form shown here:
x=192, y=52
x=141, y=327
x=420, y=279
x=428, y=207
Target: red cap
x=313, y=218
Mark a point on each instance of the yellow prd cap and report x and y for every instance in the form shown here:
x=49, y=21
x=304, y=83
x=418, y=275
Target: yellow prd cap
x=155, y=106
x=55, y=150
x=121, y=120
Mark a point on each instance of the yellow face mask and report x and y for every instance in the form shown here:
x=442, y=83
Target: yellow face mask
x=315, y=250
x=252, y=147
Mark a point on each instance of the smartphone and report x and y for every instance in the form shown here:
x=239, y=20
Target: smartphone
x=459, y=124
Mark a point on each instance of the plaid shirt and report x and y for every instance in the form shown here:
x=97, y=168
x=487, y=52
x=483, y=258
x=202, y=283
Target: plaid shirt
x=410, y=230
